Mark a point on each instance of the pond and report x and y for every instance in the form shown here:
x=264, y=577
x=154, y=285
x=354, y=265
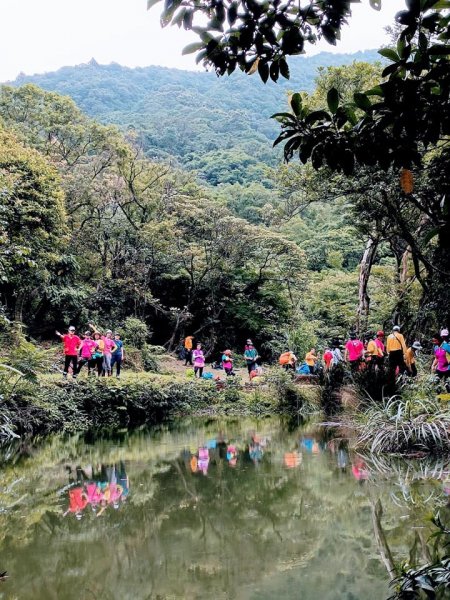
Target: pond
x=216, y=509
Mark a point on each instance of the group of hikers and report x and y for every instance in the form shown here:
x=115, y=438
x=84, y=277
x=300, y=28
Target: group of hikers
x=99, y=351
x=376, y=353
x=195, y=357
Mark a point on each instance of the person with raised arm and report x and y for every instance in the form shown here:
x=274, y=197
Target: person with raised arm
x=71, y=343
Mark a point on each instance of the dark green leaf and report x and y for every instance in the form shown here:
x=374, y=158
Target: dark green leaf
x=191, y=48
x=284, y=68
x=263, y=70
x=333, y=100
x=389, y=53
x=362, y=101
x=296, y=104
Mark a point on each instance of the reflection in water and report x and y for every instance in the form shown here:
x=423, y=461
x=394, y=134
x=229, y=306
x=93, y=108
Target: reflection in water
x=107, y=488
x=224, y=509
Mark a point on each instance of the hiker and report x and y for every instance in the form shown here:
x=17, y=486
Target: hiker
x=72, y=345
x=310, y=359
x=396, y=350
x=87, y=349
x=251, y=356
x=110, y=347
x=446, y=344
x=227, y=363
x=410, y=358
x=375, y=351
x=354, y=351
x=97, y=357
x=188, y=343
x=117, y=355
x=107, y=350
x=288, y=360
x=440, y=364
x=199, y=361
x=336, y=352
x=327, y=359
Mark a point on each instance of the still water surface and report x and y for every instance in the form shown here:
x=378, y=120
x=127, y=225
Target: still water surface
x=211, y=509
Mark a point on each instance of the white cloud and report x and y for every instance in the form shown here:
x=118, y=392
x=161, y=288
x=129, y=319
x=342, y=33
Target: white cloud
x=43, y=35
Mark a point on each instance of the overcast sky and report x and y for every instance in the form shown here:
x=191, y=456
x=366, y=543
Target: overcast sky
x=43, y=35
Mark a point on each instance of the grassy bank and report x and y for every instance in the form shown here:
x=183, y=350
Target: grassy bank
x=52, y=404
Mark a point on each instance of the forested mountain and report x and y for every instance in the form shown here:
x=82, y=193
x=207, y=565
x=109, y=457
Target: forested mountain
x=220, y=127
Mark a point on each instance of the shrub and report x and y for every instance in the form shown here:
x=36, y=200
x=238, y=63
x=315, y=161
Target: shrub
x=135, y=332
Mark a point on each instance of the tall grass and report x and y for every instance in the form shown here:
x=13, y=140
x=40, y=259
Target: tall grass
x=404, y=425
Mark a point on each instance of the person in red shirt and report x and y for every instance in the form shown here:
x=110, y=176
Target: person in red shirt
x=72, y=345
x=327, y=358
x=354, y=352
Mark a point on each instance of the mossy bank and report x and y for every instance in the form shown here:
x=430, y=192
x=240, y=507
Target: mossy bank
x=68, y=406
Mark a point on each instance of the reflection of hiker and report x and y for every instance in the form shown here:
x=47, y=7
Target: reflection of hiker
x=359, y=470
x=123, y=480
x=251, y=356
x=77, y=502
x=410, y=358
x=188, y=342
x=199, y=361
x=396, y=349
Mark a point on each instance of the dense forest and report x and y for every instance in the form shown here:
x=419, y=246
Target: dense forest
x=159, y=197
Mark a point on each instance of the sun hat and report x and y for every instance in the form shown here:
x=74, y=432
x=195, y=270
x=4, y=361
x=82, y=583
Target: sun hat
x=108, y=331
x=227, y=352
x=417, y=346
x=71, y=328
x=380, y=333
x=396, y=328
x=444, y=332
x=87, y=333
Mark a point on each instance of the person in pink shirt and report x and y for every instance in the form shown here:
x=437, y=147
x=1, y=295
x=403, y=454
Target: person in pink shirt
x=109, y=348
x=354, y=351
x=87, y=349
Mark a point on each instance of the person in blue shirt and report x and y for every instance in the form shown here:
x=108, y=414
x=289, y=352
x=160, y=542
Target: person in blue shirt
x=117, y=355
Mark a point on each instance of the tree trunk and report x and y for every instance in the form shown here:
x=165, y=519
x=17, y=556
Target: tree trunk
x=365, y=268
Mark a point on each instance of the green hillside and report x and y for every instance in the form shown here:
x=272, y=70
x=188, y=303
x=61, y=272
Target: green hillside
x=220, y=127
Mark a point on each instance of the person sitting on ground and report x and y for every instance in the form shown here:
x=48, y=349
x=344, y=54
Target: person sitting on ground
x=87, y=349
x=117, y=355
x=375, y=351
x=288, y=360
x=227, y=363
x=396, y=349
x=440, y=364
x=251, y=356
x=310, y=359
x=72, y=345
x=410, y=359
x=354, y=351
x=199, y=361
x=188, y=344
